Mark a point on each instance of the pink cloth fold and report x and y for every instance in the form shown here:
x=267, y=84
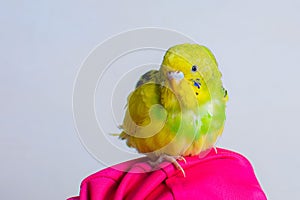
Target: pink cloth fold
x=222, y=175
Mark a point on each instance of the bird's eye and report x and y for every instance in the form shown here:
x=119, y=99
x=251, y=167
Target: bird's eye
x=194, y=68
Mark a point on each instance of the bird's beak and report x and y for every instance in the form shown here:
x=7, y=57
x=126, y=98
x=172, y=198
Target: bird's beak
x=175, y=77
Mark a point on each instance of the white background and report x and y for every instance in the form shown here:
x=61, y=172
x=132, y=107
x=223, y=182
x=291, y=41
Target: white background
x=43, y=43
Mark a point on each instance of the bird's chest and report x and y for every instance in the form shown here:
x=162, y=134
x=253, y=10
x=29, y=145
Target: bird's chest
x=184, y=123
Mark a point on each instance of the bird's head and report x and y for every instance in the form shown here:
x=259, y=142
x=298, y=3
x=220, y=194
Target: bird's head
x=191, y=70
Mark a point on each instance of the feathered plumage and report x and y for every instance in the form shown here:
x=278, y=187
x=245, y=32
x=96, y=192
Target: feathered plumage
x=178, y=110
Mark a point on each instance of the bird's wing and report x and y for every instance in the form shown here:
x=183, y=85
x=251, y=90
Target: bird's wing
x=225, y=94
x=151, y=76
x=145, y=97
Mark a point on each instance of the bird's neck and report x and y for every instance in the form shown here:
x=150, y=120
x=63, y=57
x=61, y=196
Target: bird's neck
x=180, y=98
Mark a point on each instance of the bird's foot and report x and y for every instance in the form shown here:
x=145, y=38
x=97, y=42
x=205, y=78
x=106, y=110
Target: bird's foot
x=172, y=159
x=216, y=150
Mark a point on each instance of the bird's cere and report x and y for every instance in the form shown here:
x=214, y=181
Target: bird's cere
x=178, y=75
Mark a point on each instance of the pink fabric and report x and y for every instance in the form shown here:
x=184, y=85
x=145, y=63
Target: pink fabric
x=225, y=175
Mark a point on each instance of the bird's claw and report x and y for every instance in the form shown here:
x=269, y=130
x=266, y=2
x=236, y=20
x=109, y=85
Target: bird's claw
x=172, y=159
x=216, y=150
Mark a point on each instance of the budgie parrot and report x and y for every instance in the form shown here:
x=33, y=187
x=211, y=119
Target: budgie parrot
x=178, y=110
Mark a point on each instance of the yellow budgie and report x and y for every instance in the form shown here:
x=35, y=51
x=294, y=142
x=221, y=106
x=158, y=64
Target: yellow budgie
x=178, y=110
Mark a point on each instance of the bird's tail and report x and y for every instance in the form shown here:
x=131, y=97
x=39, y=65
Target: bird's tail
x=121, y=135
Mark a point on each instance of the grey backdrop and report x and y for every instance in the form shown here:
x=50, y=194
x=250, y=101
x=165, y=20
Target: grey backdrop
x=43, y=43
